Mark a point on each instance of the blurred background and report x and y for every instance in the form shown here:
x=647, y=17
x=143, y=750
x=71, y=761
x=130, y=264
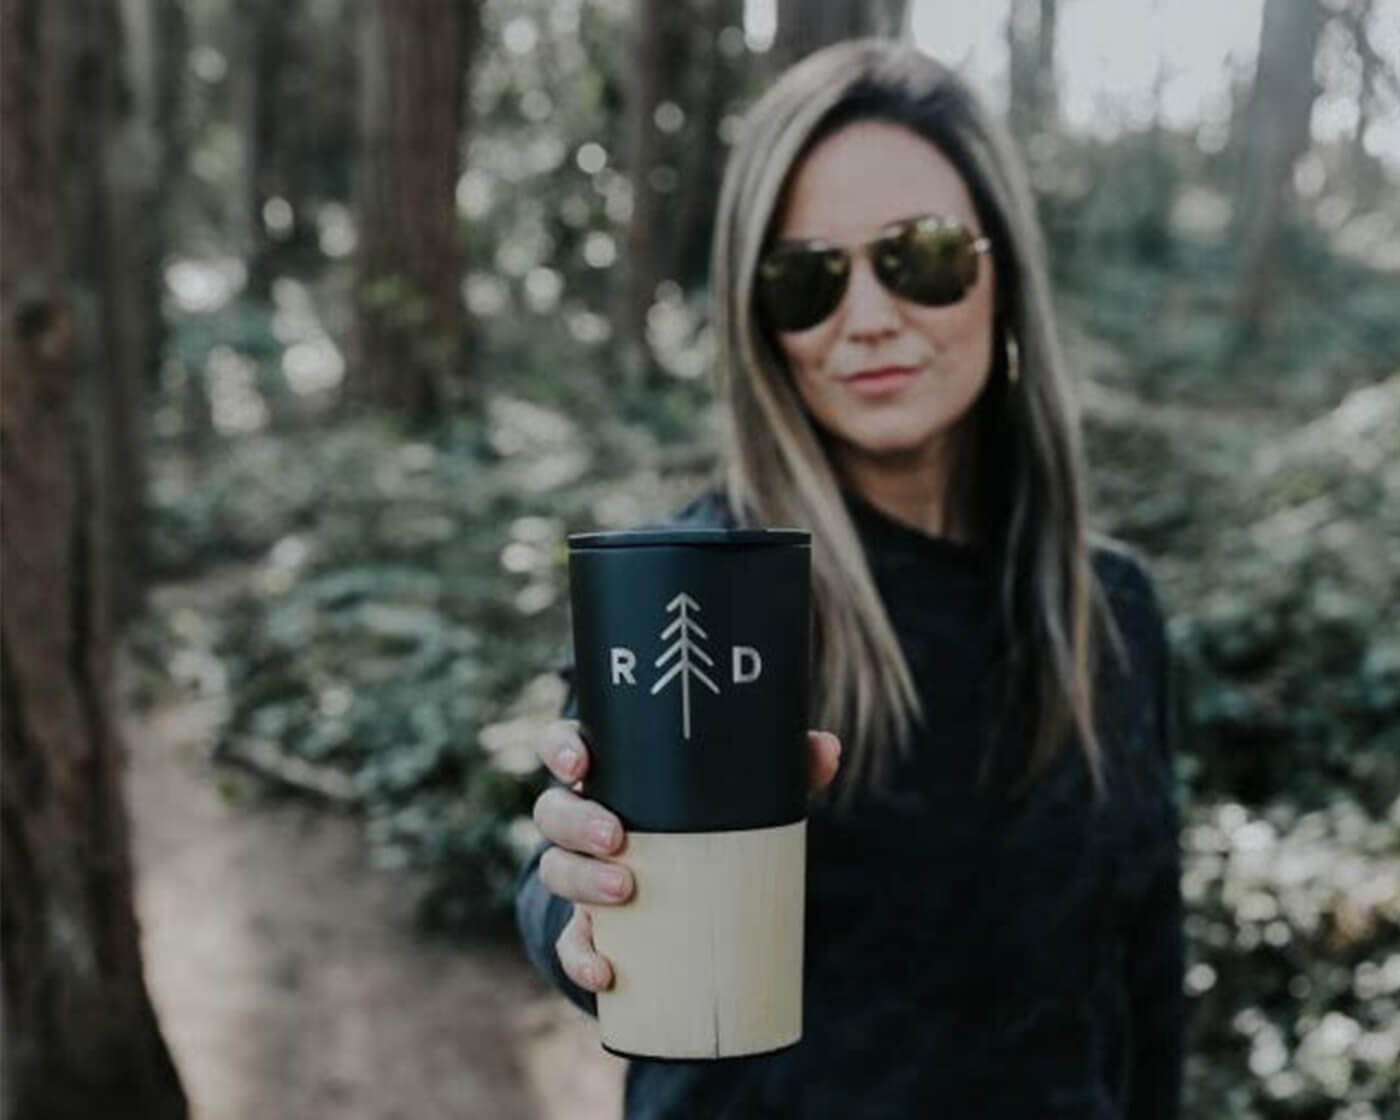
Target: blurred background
x=325, y=321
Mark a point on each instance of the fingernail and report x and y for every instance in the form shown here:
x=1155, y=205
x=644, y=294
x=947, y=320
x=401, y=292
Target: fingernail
x=604, y=835
x=615, y=883
x=569, y=758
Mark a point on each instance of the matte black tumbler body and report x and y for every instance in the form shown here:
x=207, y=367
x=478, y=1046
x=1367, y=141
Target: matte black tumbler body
x=691, y=662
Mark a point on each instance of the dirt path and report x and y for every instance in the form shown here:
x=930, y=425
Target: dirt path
x=286, y=973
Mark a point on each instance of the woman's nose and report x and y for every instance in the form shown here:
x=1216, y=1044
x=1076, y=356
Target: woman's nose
x=870, y=308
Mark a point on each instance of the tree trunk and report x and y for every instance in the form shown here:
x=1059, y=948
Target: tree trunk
x=1045, y=61
x=128, y=56
x=81, y=1037
x=675, y=166
x=805, y=26
x=410, y=343
x=278, y=80
x=1030, y=40
x=712, y=80
x=271, y=116
x=641, y=265
x=105, y=183
x=1152, y=225
x=1366, y=171
x=1280, y=116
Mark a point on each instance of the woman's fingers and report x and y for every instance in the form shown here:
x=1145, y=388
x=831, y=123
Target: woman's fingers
x=562, y=751
x=580, y=962
x=583, y=878
x=576, y=826
x=824, y=751
x=566, y=819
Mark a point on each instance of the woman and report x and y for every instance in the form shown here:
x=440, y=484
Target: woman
x=993, y=925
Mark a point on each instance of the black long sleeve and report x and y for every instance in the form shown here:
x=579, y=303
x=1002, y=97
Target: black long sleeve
x=1155, y=999
x=1155, y=949
x=968, y=951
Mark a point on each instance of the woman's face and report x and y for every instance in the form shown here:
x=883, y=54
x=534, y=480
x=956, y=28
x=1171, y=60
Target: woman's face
x=856, y=181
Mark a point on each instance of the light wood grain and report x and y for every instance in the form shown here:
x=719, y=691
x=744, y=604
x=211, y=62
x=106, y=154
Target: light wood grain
x=707, y=954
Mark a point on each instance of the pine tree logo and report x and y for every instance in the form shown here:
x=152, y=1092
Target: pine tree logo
x=688, y=654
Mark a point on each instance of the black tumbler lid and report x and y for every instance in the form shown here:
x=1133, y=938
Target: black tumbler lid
x=641, y=538
x=690, y=664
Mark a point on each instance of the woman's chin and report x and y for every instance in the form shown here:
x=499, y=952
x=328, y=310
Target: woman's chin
x=893, y=443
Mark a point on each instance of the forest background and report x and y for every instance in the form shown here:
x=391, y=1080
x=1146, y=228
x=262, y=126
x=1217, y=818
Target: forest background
x=326, y=321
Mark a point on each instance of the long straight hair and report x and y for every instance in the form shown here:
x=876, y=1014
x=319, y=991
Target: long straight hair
x=1017, y=474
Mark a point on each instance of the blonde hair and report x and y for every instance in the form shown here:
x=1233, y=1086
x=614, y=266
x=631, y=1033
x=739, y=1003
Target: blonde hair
x=1026, y=501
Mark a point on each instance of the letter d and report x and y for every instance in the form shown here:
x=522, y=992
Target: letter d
x=747, y=665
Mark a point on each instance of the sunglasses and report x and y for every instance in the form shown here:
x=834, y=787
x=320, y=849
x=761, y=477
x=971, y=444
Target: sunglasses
x=929, y=260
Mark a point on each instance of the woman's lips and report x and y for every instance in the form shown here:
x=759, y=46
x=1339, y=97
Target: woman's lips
x=880, y=382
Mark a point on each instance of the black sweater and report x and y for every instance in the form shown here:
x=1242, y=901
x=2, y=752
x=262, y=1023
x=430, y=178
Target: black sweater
x=968, y=953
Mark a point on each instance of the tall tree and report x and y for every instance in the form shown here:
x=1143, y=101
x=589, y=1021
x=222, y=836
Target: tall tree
x=81, y=1037
x=641, y=265
x=275, y=81
x=711, y=79
x=680, y=82
x=128, y=58
x=1279, y=119
x=808, y=25
x=660, y=54
x=1377, y=72
x=1030, y=40
x=410, y=336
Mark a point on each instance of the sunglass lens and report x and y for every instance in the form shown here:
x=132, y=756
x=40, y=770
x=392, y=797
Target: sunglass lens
x=799, y=287
x=929, y=262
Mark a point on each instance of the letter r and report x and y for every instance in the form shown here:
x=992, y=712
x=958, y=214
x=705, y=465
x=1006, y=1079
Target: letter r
x=623, y=662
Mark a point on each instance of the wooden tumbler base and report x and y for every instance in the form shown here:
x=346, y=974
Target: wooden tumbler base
x=707, y=953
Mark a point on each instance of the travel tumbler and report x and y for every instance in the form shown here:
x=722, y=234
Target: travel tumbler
x=690, y=653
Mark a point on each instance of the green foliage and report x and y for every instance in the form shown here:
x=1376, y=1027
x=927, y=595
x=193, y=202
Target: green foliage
x=370, y=640
x=403, y=600
x=1142, y=246
x=1280, y=561
x=243, y=503
x=404, y=608
x=1294, y=925
x=1112, y=200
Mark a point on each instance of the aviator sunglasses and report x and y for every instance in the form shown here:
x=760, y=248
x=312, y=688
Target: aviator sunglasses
x=929, y=260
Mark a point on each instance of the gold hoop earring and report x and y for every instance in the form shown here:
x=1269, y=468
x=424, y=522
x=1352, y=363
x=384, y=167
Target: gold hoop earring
x=1013, y=359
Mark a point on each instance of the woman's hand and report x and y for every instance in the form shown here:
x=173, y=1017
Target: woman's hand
x=584, y=834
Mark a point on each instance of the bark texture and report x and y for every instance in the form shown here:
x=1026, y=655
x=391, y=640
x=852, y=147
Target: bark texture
x=805, y=26
x=1030, y=40
x=81, y=1038
x=410, y=325
x=681, y=80
x=1279, y=117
